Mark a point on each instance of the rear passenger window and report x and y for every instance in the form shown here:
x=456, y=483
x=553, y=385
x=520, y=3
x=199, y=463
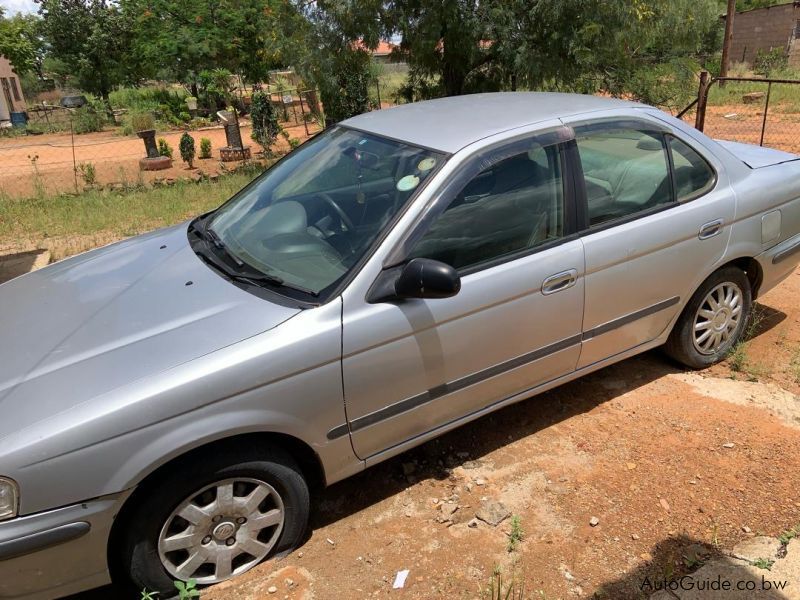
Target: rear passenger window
x=626, y=171
x=693, y=175
x=512, y=206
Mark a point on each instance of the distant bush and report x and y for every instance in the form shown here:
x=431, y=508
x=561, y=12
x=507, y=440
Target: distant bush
x=265, y=121
x=90, y=117
x=770, y=62
x=205, y=148
x=164, y=149
x=186, y=147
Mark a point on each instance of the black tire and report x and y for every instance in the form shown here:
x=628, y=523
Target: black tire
x=680, y=345
x=136, y=563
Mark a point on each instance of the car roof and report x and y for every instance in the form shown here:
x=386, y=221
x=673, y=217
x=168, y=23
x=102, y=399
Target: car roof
x=449, y=124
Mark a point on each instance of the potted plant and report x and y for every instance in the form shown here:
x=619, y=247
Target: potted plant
x=144, y=124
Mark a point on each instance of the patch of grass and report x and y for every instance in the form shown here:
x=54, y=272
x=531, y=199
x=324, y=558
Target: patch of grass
x=794, y=366
x=789, y=534
x=516, y=534
x=763, y=563
x=497, y=591
x=103, y=211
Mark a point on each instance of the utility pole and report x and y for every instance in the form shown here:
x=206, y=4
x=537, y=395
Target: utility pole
x=726, y=42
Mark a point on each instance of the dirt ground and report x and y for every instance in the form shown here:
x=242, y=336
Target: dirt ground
x=114, y=157
x=743, y=123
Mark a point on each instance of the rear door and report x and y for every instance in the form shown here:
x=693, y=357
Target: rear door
x=655, y=218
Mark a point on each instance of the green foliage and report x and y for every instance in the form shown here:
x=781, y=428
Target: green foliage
x=164, y=149
x=205, y=148
x=186, y=147
x=768, y=63
x=92, y=40
x=344, y=91
x=88, y=173
x=20, y=42
x=499, y=592
x=148, y=595
x=516, y=534
x=90, y=117
x=265, y=120
x=141, y=121
x=187, y=590
x=763, y=563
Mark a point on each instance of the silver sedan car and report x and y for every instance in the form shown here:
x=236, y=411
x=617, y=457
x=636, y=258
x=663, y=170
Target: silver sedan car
x=168, y=402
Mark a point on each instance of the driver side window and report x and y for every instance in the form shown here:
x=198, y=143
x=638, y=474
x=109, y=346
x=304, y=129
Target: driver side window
x=508, y=208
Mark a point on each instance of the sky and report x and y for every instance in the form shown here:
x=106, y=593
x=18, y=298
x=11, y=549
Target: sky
x=14, y=6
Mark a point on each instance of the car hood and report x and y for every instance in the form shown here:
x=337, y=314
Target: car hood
x=101, y=320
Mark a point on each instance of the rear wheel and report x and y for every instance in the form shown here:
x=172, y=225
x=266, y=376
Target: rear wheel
x=713, y=320
x=213, y=518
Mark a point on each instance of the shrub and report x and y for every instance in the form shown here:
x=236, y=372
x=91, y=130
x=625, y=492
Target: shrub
x=142, y=121
x=186, y=147
x=88, y=173
x=205, y=148
x=164, y=149
x=345, y=94
x=90, y=117
x=769, y=62
x=265, y=121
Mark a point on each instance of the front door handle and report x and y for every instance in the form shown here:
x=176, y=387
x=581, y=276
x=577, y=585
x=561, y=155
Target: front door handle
x=710, y=229
x=559, y=281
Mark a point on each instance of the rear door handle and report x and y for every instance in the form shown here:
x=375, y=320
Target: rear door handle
x=710, y=229
x=559, y=281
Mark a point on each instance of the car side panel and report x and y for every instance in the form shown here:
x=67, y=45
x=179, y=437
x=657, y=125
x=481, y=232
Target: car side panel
x=287, y=380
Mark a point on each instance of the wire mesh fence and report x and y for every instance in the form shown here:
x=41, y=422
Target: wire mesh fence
x=50, y=156
x=757, y=111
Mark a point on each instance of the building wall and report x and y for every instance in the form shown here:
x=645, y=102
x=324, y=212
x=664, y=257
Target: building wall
x=10, y=89
x=764, y=29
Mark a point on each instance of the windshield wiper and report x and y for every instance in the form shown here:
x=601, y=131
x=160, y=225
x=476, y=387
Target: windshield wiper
x=258, y=279
x=219, y=244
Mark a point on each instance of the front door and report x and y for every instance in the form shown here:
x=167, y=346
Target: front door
x=413, y=366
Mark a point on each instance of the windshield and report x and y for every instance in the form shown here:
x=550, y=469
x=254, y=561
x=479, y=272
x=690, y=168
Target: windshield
x=308, y=220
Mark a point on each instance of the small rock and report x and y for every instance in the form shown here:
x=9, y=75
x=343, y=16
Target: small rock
x=758, y=547
x=288, y=582
x=746, y=529
x=471, y=464
x=473, y=523
x=692, y=482
x=634, y=536
x=493, y=513
x=300, y=554
x=480, y=481
x=594, y=521
x=462, y=454
x=565, y=572
x=330, y=541
x=631, y=466
x=664, y=504
x=448, y=508
x=272, y=589
x=728, y=445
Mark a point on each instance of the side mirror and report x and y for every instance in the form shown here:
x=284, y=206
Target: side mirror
x=427, y=278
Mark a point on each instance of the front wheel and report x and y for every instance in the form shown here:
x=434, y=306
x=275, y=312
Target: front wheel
x=713, y=321
x=213, y=518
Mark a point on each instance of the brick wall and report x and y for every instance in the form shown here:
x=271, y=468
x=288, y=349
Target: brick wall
x=764, y=29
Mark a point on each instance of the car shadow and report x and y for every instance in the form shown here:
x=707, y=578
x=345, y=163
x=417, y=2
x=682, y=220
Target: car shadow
x=14, y=265
x=683, y=567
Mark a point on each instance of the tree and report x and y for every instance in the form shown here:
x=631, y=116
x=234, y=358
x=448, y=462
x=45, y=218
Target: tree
x=19, y=42
x=265, y=121
x=91, y=39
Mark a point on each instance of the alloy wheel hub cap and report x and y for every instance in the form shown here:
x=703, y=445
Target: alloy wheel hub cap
x=718, y=318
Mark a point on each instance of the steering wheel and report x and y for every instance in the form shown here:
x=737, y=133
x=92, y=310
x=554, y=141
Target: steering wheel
x=346, y=221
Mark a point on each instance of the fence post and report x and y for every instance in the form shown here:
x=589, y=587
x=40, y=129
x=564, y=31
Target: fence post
x=74, y=162
x=766, y=108
x=702, y=98
x=378, y=88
